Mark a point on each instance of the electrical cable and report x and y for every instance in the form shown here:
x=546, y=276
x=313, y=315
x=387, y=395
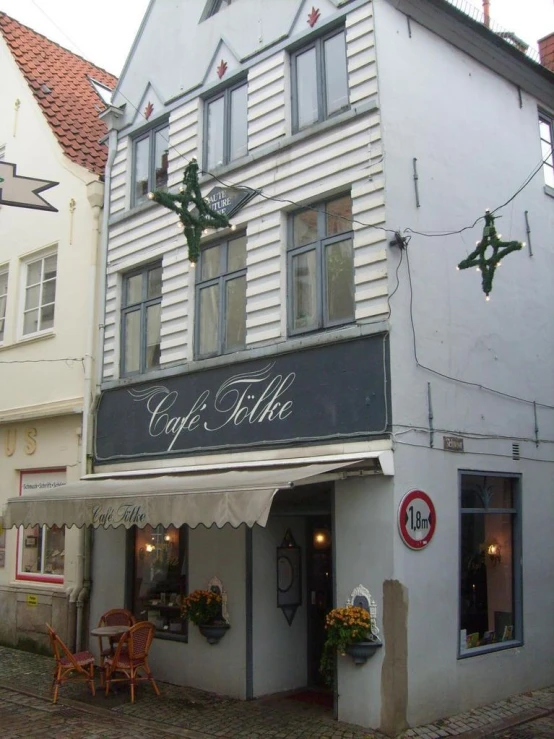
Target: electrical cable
x=478, y=454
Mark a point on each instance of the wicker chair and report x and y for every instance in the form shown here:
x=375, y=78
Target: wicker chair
x=131, y=658
x=69, y=666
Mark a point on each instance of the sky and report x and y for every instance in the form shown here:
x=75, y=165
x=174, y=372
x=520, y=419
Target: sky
x=83, y=26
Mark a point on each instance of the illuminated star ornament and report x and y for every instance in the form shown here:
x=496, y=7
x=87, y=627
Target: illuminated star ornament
x=198, y=219
x=488, y=264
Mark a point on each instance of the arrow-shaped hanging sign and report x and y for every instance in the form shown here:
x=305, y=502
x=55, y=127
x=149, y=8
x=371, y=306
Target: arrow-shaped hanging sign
x=23, y=192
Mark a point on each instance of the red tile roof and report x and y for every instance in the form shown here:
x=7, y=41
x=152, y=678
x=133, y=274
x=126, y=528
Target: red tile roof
x=60, y=83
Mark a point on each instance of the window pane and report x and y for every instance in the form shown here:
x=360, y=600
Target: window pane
x=545, y=131
x=34, y=271
x=48, y=292
x=32, y=296
x=339, y=216
x=161, y=157
x=304, y=227
x=133, y=289
x=483, y=491
x=154, y=282
x=159, y=578
x=304, y=308
x=50, y=264
x=2, y=324
x=208, y=333
x=46, y=317
x=238, y=137
x=132, y=342
x=549, y=175
x=215, y=133
x=336, y=80
x=153, y=335
x=3, y=283
x=306, y=86
x=487, y=607
x=141, y=188
x=31, y=551
x=30, y=322
x=235, y=326
x=236, y=254
x=339, y=267
x=54, y=550
x=211, y=262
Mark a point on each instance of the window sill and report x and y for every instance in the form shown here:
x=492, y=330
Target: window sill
x=43, y=335
x=549, y=191
x=132, y=212
x=488, y=648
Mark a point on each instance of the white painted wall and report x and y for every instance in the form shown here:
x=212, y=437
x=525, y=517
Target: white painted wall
x=474, y=149
x=279, y=650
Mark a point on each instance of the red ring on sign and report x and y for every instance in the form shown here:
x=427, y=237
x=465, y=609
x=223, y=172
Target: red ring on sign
x=407, y=538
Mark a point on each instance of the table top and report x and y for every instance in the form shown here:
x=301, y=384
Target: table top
x=109, y=630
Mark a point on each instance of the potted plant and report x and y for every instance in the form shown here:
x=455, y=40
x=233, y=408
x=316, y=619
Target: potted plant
x=204, y=609
x=349, y=630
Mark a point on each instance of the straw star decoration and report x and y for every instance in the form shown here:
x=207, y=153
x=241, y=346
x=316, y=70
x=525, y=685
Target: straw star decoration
x=490, y=243
x=195, y=220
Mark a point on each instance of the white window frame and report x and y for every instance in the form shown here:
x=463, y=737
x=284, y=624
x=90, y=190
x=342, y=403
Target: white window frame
x=4, y=270
x=548, y=165
x=25, y=263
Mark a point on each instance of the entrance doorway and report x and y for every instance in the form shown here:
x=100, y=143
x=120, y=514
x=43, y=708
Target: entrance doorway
x=319, y=569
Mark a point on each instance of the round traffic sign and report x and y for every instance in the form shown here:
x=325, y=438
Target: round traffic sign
x=416, y=519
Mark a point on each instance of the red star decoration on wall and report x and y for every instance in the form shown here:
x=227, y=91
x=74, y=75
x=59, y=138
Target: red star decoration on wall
x=148, y=111
x=313, y=17
x=221, y=69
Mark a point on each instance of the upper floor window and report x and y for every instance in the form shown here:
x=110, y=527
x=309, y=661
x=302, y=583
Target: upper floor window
x=321, y=266
x=3, y=299
x=150, y=162
x=490, y=563
x=319, y=80
x=141, y=319
x=39, y=294
x=225, y=131
x=546, y=126
x=213, y=7
x=221, y=298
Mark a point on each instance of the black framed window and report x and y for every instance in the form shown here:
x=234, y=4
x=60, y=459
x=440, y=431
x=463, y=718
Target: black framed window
x=490, y=563
x=546, y=128
x=319, y=80
x=141, y=319
x=225, y=126
x=214, y=6
x=321, y=266
x=160, y=562
x=221, y=298
x=150, y=163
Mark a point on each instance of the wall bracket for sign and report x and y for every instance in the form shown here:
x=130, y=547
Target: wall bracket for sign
x=23, y=192
x=289, y=576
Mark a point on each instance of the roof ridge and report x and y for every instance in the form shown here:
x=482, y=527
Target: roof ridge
x=55, y=43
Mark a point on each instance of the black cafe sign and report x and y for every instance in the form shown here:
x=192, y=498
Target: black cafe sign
x=328, y=392
x=228, y=200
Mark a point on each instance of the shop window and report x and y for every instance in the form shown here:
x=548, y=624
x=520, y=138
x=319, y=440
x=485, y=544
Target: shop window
x=150, y=163
x=221, y=298
x=321, y=266
x=41, y=549
x=141, y=319
x=319, y=80
x=490, y=564
x=160, y=578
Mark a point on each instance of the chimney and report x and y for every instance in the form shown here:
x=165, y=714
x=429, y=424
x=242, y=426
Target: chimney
x=486, y=13
x=546, y=51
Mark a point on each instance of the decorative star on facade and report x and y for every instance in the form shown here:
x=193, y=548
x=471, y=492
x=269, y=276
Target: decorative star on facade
x=313, y=17
x=222, y=68
x=196, y=220
x=497, y=250
x=148, y=110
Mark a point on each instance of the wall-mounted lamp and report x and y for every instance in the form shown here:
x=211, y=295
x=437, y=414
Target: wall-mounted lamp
x=322, y=539
x=493, y=552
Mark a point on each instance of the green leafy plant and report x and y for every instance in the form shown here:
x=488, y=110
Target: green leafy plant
x=343, y=626
x=202, y=607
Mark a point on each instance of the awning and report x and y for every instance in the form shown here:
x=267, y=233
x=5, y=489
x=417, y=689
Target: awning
x=240, y=496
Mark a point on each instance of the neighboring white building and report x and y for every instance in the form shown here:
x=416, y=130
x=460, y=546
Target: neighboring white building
x=328, y=340
x=50, y=130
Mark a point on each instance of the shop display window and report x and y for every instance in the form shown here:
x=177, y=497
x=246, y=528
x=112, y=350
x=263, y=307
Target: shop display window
x=41, y=552
x=490, y=573
x=160, y=578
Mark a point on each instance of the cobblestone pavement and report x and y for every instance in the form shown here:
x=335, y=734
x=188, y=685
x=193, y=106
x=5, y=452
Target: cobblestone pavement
x=26, y=712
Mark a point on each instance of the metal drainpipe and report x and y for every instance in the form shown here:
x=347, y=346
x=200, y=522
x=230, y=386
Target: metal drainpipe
x=85, y=590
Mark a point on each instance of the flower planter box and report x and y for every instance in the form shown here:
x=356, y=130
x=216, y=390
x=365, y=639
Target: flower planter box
x=361, y=651
x=213, y=632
